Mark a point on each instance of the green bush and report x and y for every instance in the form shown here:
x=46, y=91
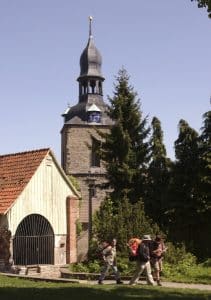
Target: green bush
x=177, y=253
x=186, y=270
x=207, y=263
x=125, y=224
x=86, y=267
x=177, y=261
x=79, y=267
x=94, y=266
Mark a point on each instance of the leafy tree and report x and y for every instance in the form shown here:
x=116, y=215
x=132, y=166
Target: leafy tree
x=103, y=221
x=158, y=175
x=125, y=150
x=206, y=4
x=130, y=221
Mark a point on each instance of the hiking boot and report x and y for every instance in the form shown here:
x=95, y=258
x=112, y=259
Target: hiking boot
x=119, y=281
x=159, y=283
x=100, y=282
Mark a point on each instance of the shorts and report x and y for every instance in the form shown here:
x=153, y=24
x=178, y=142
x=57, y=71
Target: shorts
x=156, y=264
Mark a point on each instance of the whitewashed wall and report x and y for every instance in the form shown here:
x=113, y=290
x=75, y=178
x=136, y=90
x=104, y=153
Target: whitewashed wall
x=46, y=195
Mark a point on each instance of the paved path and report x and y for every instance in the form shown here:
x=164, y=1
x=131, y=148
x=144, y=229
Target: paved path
x=203, y=287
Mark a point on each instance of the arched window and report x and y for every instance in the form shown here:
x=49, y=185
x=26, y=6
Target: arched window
x=93, y=86
x=100, y=88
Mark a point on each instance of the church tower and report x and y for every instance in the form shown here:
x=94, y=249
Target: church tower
x=79, y=138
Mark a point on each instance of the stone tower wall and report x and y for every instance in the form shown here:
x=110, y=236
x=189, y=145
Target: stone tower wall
x=76, y=155
x=76, y=160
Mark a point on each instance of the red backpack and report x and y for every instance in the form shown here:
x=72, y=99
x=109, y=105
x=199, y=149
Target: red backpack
x=133, y=245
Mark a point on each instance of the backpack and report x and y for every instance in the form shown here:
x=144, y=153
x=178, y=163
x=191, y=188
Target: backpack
x=133, y=249
x=133, y=256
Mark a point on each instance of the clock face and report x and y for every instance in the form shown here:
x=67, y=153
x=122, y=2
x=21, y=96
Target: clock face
x=94, y=117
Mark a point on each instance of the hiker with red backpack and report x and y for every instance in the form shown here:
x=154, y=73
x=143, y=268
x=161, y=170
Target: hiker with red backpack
x=143, y=261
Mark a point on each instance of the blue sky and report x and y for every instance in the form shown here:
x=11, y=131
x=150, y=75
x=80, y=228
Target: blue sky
x=164, y=45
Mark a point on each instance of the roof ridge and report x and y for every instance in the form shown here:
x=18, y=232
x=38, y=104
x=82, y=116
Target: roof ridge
x=25, y=152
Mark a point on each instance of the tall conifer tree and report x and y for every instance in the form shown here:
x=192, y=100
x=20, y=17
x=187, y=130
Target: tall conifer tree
x=204, y=188
x=125, y=149
x=158, y=175
x=183, y=197
x=205, y=155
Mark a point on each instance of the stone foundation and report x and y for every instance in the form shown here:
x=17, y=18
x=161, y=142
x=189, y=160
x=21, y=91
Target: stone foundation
x=48, y=271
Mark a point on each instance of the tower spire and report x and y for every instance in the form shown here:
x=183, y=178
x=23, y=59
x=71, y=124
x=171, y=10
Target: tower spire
x=90, y=25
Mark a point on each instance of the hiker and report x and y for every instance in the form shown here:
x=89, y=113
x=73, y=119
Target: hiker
x=143, y=261
x=164, y=249
x=157, y=251
x=109, y=259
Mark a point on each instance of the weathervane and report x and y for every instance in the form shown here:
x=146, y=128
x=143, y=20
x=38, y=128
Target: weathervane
x=90, y=25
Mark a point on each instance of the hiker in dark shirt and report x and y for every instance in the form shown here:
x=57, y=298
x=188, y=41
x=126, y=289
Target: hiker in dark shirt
x=143, y=262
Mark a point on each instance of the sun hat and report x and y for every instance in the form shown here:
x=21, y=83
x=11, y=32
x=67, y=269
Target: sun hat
x=146, y=237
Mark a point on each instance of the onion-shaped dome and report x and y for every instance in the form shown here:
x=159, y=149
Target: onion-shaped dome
x=91, y=60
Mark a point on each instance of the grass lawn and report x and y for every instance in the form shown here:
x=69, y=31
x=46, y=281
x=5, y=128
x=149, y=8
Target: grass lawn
x=190, y=274
x=20, y=289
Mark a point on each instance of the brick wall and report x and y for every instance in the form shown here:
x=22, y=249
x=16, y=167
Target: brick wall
x=72, y=216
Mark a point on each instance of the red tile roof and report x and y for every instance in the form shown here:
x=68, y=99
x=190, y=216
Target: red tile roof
x=16, y=170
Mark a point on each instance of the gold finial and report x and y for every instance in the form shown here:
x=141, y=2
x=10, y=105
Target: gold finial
x=90, y=25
